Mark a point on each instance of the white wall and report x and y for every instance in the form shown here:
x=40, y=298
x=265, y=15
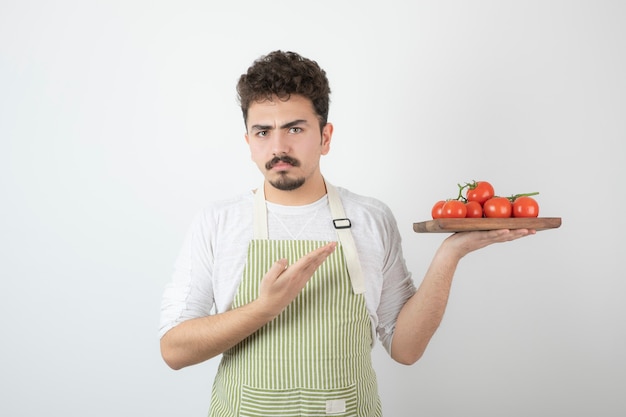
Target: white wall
x=118, y=121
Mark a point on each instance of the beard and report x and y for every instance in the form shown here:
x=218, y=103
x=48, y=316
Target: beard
x=284, y=182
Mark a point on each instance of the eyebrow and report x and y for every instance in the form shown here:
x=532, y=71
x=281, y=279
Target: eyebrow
x=285, y=126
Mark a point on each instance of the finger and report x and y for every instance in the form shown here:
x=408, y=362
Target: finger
x=303, y=268
x=319, y=255
x=466, y=242
x=278, y=267
x=507, y=235
x=325, y=250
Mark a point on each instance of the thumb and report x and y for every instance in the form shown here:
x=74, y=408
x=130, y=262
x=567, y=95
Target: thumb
x=279, y=266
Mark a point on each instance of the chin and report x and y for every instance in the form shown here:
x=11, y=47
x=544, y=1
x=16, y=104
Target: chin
x=284, y=183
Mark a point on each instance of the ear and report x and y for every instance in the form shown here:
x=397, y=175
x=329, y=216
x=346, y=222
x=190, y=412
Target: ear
x=247, y=138
x=327, y=135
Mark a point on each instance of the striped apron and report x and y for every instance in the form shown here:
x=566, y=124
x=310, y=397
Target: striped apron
x=314, y=359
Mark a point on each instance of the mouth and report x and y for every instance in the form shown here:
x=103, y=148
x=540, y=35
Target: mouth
x=281, y=163
x=281, y=166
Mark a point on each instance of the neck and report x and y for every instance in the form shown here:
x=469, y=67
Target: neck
x=311, y=191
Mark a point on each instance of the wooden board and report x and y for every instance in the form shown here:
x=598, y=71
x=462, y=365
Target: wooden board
x=464, y=225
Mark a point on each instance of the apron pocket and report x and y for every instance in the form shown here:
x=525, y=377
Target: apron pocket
x=298, y=402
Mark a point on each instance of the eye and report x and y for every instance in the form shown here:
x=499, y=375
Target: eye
x=295, y=130
x=261, y=133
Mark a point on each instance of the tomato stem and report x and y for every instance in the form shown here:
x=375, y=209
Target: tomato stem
x=461, y=188
x=516, y=196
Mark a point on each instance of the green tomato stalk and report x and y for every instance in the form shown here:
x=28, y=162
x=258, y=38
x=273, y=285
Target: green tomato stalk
x=474, y=184
x=516, y=196
x=461, y=197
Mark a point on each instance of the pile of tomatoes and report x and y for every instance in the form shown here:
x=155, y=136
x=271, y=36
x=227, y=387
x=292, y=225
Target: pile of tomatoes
x=478, y=199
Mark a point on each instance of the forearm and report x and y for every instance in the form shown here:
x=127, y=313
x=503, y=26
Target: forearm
x=421, y=315
x=197, y=340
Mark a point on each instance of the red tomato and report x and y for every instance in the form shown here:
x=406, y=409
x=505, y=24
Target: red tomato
x=436, y=210
x=525, y=207
x=474, y=209
x=499, y=207
x=480, y=192
x=453, y=209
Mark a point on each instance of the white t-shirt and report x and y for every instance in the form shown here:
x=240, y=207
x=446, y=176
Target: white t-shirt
x=211, y=262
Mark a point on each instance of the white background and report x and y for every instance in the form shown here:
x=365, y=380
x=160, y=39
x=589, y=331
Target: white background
x=119, y=121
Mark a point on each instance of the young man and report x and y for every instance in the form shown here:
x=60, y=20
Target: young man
x=294, y=281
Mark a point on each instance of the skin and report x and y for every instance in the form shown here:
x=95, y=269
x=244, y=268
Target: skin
x=288, y=128
x=421, y=315
x=291, y=128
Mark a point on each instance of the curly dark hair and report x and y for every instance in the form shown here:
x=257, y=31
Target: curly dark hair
x=282, y=74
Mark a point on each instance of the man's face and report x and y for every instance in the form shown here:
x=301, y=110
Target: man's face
x=285, y=141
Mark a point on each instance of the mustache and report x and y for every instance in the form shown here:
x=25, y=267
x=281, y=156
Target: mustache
x=282, y=158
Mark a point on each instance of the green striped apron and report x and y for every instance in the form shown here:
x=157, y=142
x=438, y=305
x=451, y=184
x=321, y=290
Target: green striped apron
x=314, y=359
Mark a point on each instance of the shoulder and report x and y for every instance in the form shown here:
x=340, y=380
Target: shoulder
x=368, y=214
x=227, y=210
x=241, y=201
x=354, y=202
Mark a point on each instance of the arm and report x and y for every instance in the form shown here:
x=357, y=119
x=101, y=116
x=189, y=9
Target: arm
x=420, y=317
x=200, y=339
x=196, y=340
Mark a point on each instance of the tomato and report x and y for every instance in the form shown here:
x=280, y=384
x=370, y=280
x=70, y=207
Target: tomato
x=453, y=209
x=474, y=209
x=499, y=207
x=436, y=210
x=525, y=207
x=480, y=192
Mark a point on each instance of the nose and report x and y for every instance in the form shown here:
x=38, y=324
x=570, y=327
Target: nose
x=280, y=143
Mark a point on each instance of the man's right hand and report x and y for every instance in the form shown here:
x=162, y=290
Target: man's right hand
x=283, y=282
x=196, y=340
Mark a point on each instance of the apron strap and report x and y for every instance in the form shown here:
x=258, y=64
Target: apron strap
x=260, y=214
x=340, y=221
x=342, y=226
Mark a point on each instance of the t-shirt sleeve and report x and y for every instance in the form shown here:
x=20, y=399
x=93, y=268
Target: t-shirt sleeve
x=398, y=285
x=189, y=293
